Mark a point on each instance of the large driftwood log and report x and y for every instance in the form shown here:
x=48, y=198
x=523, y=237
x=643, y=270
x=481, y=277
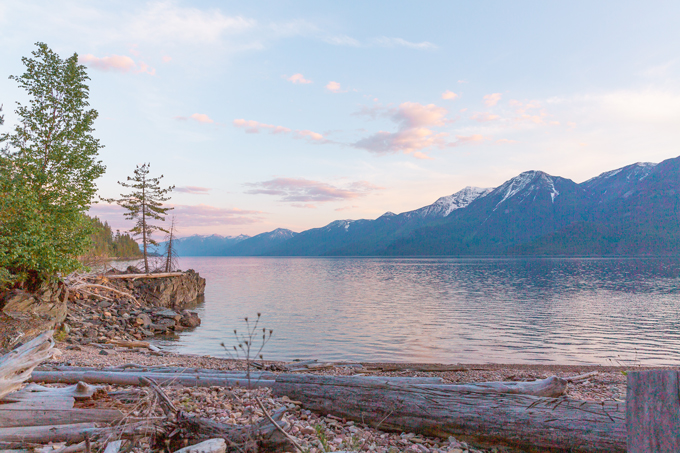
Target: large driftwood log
x=491, y=419
x=192, y=379
x=113, y=378
x=42, y=417
x=653, y=411
x=17, y=365
x=74, y=433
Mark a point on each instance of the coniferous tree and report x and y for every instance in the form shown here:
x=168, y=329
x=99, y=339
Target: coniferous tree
x=48, y=165
x=145, y=204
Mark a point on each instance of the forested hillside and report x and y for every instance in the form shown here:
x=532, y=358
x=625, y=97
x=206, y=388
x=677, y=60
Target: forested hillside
x=107, y=244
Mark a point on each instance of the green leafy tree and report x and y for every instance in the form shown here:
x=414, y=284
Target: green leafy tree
x=48, y=168
x=144, y=204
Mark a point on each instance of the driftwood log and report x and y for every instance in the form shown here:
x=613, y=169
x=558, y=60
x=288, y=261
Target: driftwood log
x=17, y=365
x=261, y=437
x=202, y=379
x=653, y=411
x=519, y=421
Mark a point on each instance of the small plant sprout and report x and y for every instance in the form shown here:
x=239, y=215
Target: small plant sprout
x=246, y=348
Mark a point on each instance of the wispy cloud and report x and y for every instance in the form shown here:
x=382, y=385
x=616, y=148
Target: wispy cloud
x=187, y=216
x=116, y=63
x=193, y=190
x=492, y=99
x=300, y=190
x=381, y=41
x=449, y=95
x=254, y=127
x=384, y=41
x=202, y=118
x=485, y=117
x=346, y=208
x=334, y=87
x=298, y=78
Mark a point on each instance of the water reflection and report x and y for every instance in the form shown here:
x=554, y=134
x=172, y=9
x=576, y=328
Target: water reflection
x=565, y=311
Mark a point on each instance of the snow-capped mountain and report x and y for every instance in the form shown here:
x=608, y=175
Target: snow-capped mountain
x=446, y=205
x=618, y=183
x=631, y=210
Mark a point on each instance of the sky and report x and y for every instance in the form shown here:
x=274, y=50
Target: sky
x=293, y=114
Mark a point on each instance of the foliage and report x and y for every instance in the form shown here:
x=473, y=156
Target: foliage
x=144, y=204
x=47, y=170
x=106, y=244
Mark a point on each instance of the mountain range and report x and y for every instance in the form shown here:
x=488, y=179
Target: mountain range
x=634, y=210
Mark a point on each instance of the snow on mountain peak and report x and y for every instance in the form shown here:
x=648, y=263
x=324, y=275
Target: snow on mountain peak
x=527, y=181
x=446, y=205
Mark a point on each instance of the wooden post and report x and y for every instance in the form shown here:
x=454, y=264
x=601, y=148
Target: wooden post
x=653, y=411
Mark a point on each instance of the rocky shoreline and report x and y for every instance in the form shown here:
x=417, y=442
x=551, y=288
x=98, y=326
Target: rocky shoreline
x=119, y=305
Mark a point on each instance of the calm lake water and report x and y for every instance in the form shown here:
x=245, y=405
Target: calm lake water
x=563, y=311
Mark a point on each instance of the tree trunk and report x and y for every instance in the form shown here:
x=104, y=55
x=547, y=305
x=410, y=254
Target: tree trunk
x=519, y=421
x=17, y=365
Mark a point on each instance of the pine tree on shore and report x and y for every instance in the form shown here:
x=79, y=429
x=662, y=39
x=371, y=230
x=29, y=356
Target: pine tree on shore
x=145, y=204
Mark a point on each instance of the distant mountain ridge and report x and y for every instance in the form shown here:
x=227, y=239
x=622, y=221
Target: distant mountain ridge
x=633, y=210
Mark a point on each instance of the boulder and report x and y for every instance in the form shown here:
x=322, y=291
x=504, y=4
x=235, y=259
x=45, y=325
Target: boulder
x=175, y=292
x=25, y=314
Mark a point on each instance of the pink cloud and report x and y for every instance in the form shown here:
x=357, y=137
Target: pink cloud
x=463, y=139
x=300, y=190
x=193, y=190
x=311, y=135
x=492, y=99
x=484, y=117
x=298, y=78
x=120, y=63
x=143, y=67
x=303, y=205
x=422, y=156
x=413, y=114
x=414, y=121
x=333, y=87
x=202, y=118
x=166, y=59
x=346, y=208
x=450, y=95
x=506, y=141
x=254, y=127
x=186, y=216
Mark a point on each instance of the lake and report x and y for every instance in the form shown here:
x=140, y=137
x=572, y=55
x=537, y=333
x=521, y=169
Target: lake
x=450, y=310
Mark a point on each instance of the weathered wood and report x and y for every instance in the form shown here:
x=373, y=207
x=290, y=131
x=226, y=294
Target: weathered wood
x=113, y=447
x=135, y=276
x=550, y=387
x=134, y=344
x=104, y=377
x=16, y=416
x=44, y=434
x=80, y=391
x=424, y=367
x=490, y=419
x=227, y=374
x=653, y=411
x=17, y=365
x=262, y=436
x=73, y=433
x=209, y=446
